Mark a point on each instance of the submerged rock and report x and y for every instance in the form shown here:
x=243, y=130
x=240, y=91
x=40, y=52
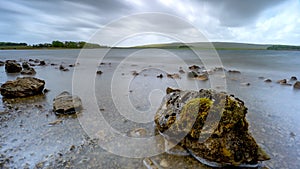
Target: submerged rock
x=65, y=103
x=11, y=66
x=293, y=78
x=22, y=87
x=212, y=127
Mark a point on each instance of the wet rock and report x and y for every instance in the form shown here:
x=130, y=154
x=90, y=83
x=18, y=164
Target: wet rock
x=25, y=65
x=160, y=76
x=72, y=65
x=202, y=77
x=65, y=103
x=192, y=74
x=36, y=61
x=135, y=73
x=268, y=81
x=62, y=68
x=11, y=66
x=28, y=71
x=99, y=72
x=297, y=85
x=181, y=70
x=174, y=76
x=234, y=71
x=245, y=84
x=42, y=63
x=211, y=125
x=293, y=78
x=2, y=63
x=22, y=87
x=194, y=67
x=283, y=82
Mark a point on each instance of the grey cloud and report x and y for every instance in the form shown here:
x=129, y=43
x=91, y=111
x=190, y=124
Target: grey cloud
x=238, y=12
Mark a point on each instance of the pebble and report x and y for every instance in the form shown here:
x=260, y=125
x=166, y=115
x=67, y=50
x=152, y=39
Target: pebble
x=164, y=163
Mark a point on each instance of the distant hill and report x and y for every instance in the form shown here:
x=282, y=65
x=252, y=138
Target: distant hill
x=207, y=45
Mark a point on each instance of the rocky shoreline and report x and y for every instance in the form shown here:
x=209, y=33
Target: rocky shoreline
x=66, y=104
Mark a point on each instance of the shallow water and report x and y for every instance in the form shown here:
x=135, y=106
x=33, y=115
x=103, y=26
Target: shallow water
x=28, y=137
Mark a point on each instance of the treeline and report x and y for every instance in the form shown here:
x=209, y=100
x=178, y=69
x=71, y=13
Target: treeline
x=54, y=44
x=283, y=47
x=12, y=44
x=67, y=44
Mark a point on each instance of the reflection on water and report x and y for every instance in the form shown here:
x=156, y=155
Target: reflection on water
x=273, y=108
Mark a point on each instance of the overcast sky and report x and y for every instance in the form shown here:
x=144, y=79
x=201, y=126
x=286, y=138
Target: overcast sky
x=250, y=21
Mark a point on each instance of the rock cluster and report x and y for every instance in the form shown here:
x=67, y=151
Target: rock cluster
x=213, y=126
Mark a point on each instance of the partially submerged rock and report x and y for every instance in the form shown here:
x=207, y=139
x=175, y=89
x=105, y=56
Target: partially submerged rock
x=12, y=66
x=65, y=104
x=2, y=63
x=297, y=85
x=212, y=126
x=27, y=70
x=22, y=87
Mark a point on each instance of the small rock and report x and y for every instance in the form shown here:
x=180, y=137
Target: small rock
x=42, y=63
x=135, y=73
x=268, y=81
x=174, y=76
x=99, y=72
x=160, y=76
x=293, y=78
x=297, y=85
x=11, y=66
x=72, y=65
x=36, y=61
x=65, y=103
x=46, y=90
x=202, y=77
x=245, y=84
x=194, y=67
x=28, y=71
x=25, y=65
x=62, y=68
x=261, y=77
x=192, y=74
x=234, y=71
x=22, y=87
x=282, y=82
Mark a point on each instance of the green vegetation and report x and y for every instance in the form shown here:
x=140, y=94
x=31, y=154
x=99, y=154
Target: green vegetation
x=208, y=45
x=283, y=47
x=54, y=45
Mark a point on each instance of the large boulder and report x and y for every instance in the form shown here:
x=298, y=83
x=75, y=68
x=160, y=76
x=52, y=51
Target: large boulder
x=65, y=103
x=22, y=87
x=11, y=66
x=211, y=126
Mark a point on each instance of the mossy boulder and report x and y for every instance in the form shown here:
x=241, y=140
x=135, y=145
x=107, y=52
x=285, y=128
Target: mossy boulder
x=210, y=125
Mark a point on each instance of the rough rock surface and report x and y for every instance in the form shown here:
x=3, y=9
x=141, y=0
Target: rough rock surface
x=11, y=66
x=27, y=70
x=22, y=87
x=212, y=127
x=65, y=103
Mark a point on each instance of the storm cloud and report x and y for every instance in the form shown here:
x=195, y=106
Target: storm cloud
x=256, y=21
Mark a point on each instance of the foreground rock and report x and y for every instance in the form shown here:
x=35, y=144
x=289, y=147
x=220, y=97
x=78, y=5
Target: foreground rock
x=297, y=85
x=65, y=104
x=211, y=126
x=11, y=66
x=22, y=87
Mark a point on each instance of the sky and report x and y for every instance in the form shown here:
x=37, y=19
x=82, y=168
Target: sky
x=247, y=21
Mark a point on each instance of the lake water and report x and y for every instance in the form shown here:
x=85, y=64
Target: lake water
x=128, y=103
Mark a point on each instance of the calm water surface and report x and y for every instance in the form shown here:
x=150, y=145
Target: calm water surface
x=274, y=110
